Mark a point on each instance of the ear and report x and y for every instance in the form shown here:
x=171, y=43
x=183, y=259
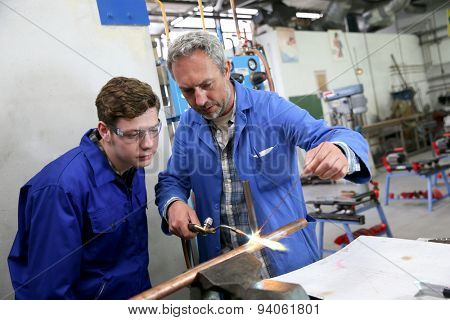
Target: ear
x=104, y=131
x=227, y=71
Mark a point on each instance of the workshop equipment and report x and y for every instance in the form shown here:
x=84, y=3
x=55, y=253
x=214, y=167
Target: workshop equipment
x=239, y=278
x=376, y=230
x=208, y=229
x=375, y=188
x=187, y=278
x=434, y=290
x=348, y=106
x=397, y=165
x=347, y=211
x=441, y=146
x=396, y=160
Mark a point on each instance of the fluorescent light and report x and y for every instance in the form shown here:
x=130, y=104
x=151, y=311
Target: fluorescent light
x=308, y=15
x=245, y=11
x=205, y=9
x=243, y=16
x=175, y=21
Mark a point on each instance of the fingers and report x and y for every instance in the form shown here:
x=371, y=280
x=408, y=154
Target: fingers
x=334, y=172
x=314, y=158
x=179, y=215
x=326, y=161
x=193, y=217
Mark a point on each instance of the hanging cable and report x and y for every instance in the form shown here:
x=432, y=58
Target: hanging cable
x=266, y=66
x=202, y=16
x=166, y=25
x=236, y=24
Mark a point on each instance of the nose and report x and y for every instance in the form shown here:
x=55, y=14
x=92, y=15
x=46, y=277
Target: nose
x=200, y=97
x=148, y=142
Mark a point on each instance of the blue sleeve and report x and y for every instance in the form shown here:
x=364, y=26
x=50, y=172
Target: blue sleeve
x=174, y=182
x=46, y=255
x=307, y=133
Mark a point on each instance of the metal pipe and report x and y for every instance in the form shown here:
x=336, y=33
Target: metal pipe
x=218, y=6
x=434, y=40
x=236, y=24
x=185, y=279
x=421, y=33
x=266, y=67
x=250, y=207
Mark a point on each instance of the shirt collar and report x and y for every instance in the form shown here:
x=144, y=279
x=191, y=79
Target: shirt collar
x=104, y=172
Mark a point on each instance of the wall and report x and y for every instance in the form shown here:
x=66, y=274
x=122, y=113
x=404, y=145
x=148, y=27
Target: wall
x=294, y=79
x=55, y=57
x=435, y=54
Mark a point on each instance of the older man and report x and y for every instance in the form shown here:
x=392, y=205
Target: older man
x=232, y=134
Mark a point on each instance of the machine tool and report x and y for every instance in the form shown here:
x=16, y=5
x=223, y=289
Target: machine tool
x=347, y=211
x=347, y=105
x=441, y=146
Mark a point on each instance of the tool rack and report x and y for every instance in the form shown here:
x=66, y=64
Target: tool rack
x=346, y=211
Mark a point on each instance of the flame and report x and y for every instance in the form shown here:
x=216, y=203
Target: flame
x=271, y=244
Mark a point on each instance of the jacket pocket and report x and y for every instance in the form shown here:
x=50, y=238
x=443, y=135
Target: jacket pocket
x=108, y=235
x=107, y=220
x=271, y=168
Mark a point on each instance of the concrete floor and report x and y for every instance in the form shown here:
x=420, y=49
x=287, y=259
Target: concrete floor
x=407, y=220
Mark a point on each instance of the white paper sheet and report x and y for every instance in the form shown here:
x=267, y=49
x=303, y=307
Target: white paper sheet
x=375, y=268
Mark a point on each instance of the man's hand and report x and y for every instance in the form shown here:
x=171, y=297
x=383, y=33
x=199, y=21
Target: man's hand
x=179, y=215
x=326, y=161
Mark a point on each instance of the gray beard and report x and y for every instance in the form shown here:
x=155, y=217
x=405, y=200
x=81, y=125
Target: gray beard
x=223, y=107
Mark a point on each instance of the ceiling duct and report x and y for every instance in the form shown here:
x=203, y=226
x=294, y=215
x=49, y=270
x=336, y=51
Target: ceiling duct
x=383, y=16
x=218, y=6
x=280, y=16
x=334, y=16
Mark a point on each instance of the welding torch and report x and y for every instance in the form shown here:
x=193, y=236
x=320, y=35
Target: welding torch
x=207, y=228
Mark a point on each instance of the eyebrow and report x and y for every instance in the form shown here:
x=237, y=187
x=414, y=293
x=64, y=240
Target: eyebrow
x=199, y=85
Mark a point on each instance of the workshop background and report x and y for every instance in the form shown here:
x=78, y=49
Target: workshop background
x=56, y=55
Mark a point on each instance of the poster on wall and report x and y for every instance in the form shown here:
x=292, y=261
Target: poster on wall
x=288, y=45
x=321, y=81
x=337, y=44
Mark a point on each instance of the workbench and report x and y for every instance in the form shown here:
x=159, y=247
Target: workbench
x=375, y=268
x=429, y=175
x=346, y=212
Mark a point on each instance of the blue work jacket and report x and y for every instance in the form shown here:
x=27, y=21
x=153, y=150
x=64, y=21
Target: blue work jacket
x=267, y=131
x=82, y=232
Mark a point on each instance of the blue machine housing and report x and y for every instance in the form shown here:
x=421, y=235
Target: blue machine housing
x=178, y=101
x=245, y=65
x=343, y=92
x=120, y=12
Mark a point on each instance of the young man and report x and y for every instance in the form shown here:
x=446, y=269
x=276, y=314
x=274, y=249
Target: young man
x=82, y=219
x=232, y=134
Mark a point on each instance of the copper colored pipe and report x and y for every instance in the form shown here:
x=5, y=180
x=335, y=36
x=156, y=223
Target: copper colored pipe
x=266, y=67
x=236, y=23
x=185, y=279
x=250, y=207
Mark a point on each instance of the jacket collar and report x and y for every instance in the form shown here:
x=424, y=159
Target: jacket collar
x=103, y=173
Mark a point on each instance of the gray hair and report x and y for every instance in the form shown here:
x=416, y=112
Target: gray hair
x=186, y=44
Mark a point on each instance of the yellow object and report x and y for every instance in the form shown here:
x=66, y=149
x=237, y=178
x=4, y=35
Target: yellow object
x=200, y=7
x=166, y=26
